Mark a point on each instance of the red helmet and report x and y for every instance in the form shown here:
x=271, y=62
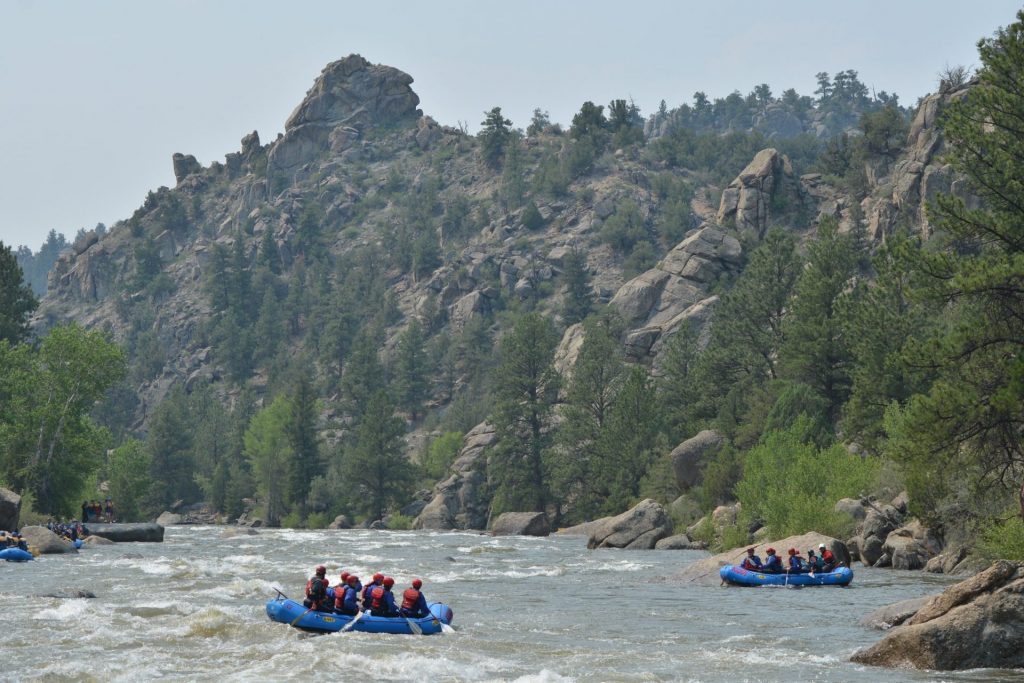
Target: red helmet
x=344, y=576
x=388, y=582
x=770, y=551
x=352, y=580
x=378, y=577
x=792, y=551
x=321, y=570
x=416, y=583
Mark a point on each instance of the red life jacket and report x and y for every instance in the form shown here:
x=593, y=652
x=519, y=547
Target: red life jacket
x=828, y=557
x=410, y=597
x=377, y=597
x=316, y=589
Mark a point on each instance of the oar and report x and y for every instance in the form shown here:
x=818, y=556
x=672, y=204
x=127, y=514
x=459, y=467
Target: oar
x=414, y=627
x=352, y=623
x=300, y=616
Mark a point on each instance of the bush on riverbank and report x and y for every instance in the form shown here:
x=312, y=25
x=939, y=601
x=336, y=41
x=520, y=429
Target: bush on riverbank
x=1003, y=540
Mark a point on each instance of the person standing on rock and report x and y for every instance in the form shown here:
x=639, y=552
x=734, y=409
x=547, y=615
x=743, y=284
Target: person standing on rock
x=751, y=562
x=772, y=563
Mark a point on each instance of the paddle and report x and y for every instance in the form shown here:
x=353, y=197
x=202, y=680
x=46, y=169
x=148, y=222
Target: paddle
x=300, y=616
x=352, y=623
x=414, y=627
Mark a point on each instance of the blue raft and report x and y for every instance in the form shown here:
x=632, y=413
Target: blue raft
x=15, y=555
x=738, y=576
x=286, y=611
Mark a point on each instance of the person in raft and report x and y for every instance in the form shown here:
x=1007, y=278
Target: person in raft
x=814, y=562
x=772, y=563
x=382, y=600
x=378, y=580
x=796, y=563
x=751, y=562
x=316, y=589
x=827, y=558
x=346, y=598
x=413, y=602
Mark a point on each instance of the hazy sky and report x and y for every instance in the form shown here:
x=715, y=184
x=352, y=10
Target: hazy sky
x=95, y=97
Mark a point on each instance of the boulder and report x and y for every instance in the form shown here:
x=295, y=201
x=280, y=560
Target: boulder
x=679, y=542
x=852, y=507
x=705, y=571
x=169, y=519
x=945, y=563
x=236, y=531
x=886, y=617
x=47, y=542
x=460, y=501
x=184, y=166
x=340, y=522
x=688, y=457
x=975, y=624
x=123, y=533
x=911, y=546
x=584, y=529
x=521, y=524
x=97, y=540
x=10, y=509
x=637, y=529
x=70, y=594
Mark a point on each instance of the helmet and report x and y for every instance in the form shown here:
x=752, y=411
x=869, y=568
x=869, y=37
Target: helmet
x=750, y=550
x=378, y=577
x=770, y=551
x=352, y=579
x=344, y=576
x=416, y=583
x=793, y=551
x=821, y=545
x=321, y=570
x=388, y=582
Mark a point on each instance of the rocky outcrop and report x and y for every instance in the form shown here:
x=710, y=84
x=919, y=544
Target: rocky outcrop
x=584, y=529
x=705, y=571
x=637, y=529
x=978, y=623
x=350, y=95
x=521, y=524
x=458, y=502
x=879, y=522
x=47, y=542
x=184, y=166
x=679, y=542
x=340, y=522
x=125, y=533
x=10, y=509
x=688, y=457
x=886, y=617
x=911, y=546
x=170, y=519
x=764, y=187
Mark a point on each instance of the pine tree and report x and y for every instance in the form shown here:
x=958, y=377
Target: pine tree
x=494, y=137
x=577, y=302
x=411, y=372
x=376, y=468
x=302, y=438
x=16, y=299
x=364, y=375
x=268, y=450
x=526, y=385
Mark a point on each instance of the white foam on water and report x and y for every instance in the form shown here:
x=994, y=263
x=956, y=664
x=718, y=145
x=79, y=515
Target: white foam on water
x=543, y=676
x=762, y=656
x=67, y=610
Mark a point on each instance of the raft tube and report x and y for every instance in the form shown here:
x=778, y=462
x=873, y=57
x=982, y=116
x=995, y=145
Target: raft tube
x=77, y=543
x=15, y=555
x=287, y=611
x=738, y=576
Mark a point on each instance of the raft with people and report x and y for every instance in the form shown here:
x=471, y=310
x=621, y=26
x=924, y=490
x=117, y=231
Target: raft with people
x=738, y=576
x=287, y=611
x=15, y=555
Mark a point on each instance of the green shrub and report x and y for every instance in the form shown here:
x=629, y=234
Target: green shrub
x=441, y=453
x=705, y=531
x=293, y=520
x=400, y=522
x=317, y=520
x=1003, y=540
x=733, y=536
x=792, y=486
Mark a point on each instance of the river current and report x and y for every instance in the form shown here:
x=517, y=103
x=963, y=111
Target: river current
x=526, y=609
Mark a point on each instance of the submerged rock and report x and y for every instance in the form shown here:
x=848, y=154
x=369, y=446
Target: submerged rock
x=69, y=594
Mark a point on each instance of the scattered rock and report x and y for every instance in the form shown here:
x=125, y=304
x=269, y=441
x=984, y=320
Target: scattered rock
x=521, y=524
x=10, y=509
x=679, y=542
x=70, y=594
x=637, y=529
x=234, y=532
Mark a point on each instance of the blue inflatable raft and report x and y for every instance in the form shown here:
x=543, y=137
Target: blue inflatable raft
x=289, y=612
x=738, y=576
x=15, y=555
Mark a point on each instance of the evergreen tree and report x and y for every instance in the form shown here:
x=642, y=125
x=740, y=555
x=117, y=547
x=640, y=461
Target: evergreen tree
x=128, y=479
x=364, y=375
x=302, y=440
x=16, y=299
x=678, y=386
x=268, y=450
x=526, y=385
x=412, y=386
x=494, y=137
x=816, y=351
x=577, y=303
x=169, y=447
x=376, y=468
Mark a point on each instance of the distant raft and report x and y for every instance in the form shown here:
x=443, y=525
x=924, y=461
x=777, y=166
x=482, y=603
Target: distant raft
x=738, y=576
x=15, y=555
x=293, y=613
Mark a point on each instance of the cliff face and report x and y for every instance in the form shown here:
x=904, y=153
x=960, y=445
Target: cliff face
x=355, y=147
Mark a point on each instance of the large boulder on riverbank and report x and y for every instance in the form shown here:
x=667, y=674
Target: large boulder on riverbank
x=689, y=456
x=125, y=533
x=977, y=623
x=10, y=509
x=895, y=614
x=584, y=529
x=169, y=519
x=47, y=542
x=705, y=571
x=521, y=524
x=638, y=529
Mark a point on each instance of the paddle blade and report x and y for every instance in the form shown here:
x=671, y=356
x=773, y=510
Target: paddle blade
x=445, y=628
x=414, y=627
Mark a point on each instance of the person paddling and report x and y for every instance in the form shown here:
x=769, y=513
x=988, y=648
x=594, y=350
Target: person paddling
x=378, y=580
x=316, y=589
x=772, y=563
x=751, y=562
x=796, y=563
x=413, y=602
x=382, y=600
x=814, y=562
x=346, y=598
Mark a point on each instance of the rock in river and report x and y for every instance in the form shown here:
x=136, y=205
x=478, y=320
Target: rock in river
x=637, y=529
x=121, y=533
x=521, y=524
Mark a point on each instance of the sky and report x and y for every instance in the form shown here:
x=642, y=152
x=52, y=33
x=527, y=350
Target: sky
x=97, y=95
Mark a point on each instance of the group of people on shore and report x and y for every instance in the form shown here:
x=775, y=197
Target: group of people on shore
x=824, y=561
x=69, y=531
x=94, y=511
x=13, y=539
x=349, y=596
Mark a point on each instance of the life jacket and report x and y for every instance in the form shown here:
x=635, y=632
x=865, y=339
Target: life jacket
x=410, y=598
x=315, y=589
x=377, y=598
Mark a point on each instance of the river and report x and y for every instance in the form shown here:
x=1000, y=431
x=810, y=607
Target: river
x=526, y=609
